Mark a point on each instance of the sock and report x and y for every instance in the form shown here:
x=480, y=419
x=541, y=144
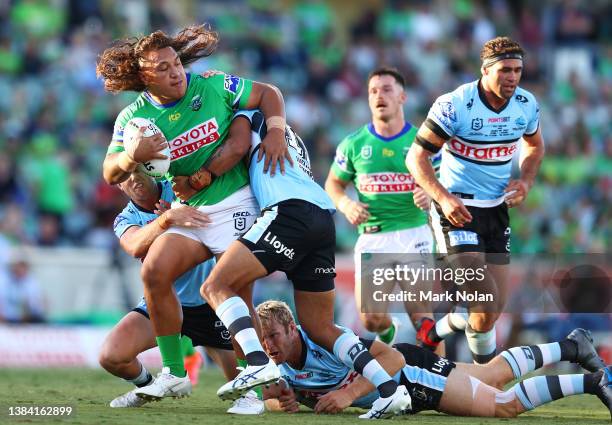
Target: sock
x=448, y=325
x=351, y=351
x=387, y=335
x=534, y=392
x=187, y=346
x=143, y=379
x=234, y=314
x=258, y=390
x=172, y=353
x=591, y=382
x=481, y=344
x=528, y=358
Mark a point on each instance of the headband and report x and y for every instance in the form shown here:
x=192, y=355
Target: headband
x=490, y=61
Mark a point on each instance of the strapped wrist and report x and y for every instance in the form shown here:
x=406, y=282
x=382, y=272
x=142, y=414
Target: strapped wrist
x=126, y=163
x=162, y=221
x=344, y=202
x=276, y=122
x=201, y=179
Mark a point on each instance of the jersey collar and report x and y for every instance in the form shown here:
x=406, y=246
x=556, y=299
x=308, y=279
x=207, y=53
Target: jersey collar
x=147, y=96
x=373, y=132
x=486, y=103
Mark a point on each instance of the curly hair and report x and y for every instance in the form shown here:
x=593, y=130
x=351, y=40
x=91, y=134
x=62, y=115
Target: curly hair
x=499, y=46
x=119, y=65
x=275, y=311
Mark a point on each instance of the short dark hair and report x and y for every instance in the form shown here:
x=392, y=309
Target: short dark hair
x=386, y=70
x=499, y=46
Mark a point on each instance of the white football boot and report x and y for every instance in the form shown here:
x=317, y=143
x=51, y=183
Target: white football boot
x=165, y=385
x=249, y=378
x=395, y=404
x=248, y=404
x=128, y=399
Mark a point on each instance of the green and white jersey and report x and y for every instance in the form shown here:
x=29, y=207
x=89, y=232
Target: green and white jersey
x=194, y=126
x=376, y=166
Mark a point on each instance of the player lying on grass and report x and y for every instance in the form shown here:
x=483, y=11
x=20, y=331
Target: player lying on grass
x=318, y=379
x=137, y=226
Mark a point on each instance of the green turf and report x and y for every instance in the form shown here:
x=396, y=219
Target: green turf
x=89, y=392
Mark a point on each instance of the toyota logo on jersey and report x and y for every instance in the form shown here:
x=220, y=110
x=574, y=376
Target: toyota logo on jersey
x=194, y=138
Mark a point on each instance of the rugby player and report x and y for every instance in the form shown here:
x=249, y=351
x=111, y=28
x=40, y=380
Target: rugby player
x=480, y=125
x=294, y=234
x=390, y=213
x=194, y=115
x=318, y=379
x=137, y=226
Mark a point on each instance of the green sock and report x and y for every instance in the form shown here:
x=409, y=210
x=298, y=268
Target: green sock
x=172, y=354
x=258, y=390
x=387, y=336
x=187, y=346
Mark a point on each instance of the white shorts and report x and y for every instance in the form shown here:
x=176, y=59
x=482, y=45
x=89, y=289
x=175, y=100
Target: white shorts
x=230, y=219
x=417, y=240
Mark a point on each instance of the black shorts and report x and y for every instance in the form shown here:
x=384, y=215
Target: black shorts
x=488, y=232
x=202, y=325
x=424, y=376
x=298, y=238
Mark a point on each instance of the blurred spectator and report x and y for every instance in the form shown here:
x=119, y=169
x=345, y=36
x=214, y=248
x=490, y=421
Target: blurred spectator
x=21, y=300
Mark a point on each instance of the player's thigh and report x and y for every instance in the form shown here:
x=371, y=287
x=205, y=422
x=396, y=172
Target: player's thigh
x=465, y=395
x=171, y=255
x=130, y=337
x=236, y=268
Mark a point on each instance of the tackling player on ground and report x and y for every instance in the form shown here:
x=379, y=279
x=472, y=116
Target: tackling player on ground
x=194, y=115
x=390, y=213
x=480, y=125
x=318, y=379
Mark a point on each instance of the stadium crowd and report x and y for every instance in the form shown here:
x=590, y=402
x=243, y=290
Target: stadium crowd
x=55, y=120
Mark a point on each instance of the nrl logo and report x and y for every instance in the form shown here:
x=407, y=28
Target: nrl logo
x=196, y=103
x=366, y=152
x=477, y=124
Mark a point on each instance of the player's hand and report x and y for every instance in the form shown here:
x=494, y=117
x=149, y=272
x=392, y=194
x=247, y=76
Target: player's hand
x=186, y=216
x=276, y=150
x=288, y=401
x=333, y=402
x=211, y=73
x=182, y=189
x=161, y=207
x=144, y=149
x=516, y=192
x=455, y=211
x=356, y=212
x=421, y=199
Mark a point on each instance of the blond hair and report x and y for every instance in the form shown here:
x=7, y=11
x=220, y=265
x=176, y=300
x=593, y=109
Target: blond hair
x=275, y=311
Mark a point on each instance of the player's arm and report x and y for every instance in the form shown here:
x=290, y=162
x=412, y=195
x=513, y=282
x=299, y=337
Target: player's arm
x=118, y=166
x=269, y=100
x=532, y=152
x=224, y=158
x=335, y=401
x=418, y=161
x=137, y=240
x=280, y=397
x=356, y=212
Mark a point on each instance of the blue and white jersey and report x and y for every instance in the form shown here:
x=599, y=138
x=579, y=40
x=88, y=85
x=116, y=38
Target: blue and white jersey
x=321, y=373
x=296, y=183
x=477, y=159
x=188, y=285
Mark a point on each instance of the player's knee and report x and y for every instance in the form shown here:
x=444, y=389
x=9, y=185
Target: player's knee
x=372, y=323
x=154, y=276
x=107, y=360
x=482, y=322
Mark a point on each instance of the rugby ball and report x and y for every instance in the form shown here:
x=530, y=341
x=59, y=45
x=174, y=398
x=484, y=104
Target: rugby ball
x=154, y=167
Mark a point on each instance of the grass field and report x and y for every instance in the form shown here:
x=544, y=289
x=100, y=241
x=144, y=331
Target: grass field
x=89, y=392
